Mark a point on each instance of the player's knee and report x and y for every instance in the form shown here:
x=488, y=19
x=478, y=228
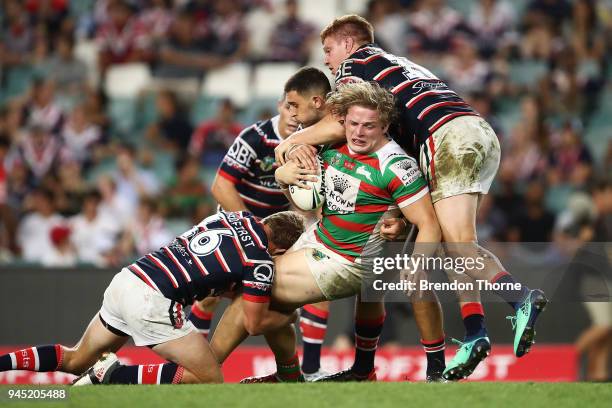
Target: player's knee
x=211, y=376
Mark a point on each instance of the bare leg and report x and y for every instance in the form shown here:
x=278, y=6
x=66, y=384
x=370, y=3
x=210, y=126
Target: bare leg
x=194, y=354
x=230, y=331
x=96, y=341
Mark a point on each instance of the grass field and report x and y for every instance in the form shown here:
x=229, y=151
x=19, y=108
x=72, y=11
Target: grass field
x=418, y=395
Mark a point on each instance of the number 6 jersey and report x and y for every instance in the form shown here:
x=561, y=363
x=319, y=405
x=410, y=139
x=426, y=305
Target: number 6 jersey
x=223, y=252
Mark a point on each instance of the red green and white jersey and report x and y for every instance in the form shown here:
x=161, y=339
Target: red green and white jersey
x=361, y=190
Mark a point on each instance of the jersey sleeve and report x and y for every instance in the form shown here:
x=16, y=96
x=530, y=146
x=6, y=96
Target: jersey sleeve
x=257, y=282
x=240, y=156
x=405, y=181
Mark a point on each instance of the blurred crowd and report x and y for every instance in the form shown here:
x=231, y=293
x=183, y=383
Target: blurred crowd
x=75, y=190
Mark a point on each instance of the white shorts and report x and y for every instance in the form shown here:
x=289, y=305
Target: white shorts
x=466, y=156
x=336, y=276
x=136, y=309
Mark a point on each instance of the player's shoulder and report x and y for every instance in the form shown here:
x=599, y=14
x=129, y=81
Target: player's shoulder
x=263, y=131
x=394, y=161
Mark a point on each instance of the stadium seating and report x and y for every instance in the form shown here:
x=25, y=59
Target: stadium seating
x=231, y=82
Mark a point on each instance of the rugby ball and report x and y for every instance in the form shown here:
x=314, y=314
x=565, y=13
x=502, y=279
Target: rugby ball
x=312, y=199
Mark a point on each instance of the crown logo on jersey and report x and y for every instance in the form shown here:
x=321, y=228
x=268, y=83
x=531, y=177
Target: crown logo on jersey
x=404, y=165
x=340, y=184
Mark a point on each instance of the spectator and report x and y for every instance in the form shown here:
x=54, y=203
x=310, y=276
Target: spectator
x=465, y=71
x=433, y=27
x=34, y=230
x=184, y=194
x=122, y=38
x=68, y=73
x=172, y=131
x=147, y=232
x=389, y=24
x=112, y=205
x=227, y=27
x=94, y=103
x=542, y=24
x=184, y=55
x=79, y=136
x=292, y=38
x=492, y=23
x=69, y=187
x=61, y=253
x=156, y=19
x=570, y=161
x=42, y=110
x=17, y=38
x=39, y=151
x=588, y=37
x=94, y=232
x=212, y=138
x=534, y=223
x=133, y=182
x=51, y=16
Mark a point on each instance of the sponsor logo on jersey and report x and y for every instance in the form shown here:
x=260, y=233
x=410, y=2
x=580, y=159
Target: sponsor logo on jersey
x=318, y=255
x=267, y=163
x=335, y=160
x=349, y=165
x=428, y=86
x=264, y=273
x=341, y=191
x=242, y=153
x=406, y=170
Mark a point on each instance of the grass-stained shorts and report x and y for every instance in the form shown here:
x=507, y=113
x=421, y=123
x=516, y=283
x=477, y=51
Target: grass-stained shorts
x=460, y=157
x=336, y=276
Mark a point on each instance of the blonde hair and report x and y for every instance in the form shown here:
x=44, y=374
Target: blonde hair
x=350, y=25
x=366, y=94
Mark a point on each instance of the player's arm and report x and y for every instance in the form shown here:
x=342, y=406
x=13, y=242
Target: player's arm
x=258, y=318
x=421, y=214
x=409, y=189
x=224, y=191
x=326, y=131
x=235, y=164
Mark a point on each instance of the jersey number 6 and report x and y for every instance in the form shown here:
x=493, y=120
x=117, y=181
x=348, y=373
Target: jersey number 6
x=206, y=242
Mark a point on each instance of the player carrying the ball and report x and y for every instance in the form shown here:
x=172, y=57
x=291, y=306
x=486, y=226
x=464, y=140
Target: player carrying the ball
x=368, y=178
x=459, y=155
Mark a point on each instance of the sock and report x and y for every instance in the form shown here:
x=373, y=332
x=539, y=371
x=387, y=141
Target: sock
x=40, y=358
x=313, y=326
x=201, y=320
x=289, y=371
x=473, y=320
x=434, y=350
x=168, y=373
x=367, y=333
x=513, y=297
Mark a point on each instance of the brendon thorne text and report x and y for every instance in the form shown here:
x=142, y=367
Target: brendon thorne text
x=424, y=284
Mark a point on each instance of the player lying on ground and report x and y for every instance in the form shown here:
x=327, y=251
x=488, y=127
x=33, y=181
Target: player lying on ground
x=306, y=94
x=146, y=300
x=458, y=154
x=367, y=179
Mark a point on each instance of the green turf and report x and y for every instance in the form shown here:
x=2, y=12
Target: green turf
x=418, y=395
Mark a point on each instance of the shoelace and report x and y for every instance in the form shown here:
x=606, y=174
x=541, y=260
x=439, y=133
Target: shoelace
x=523, y=309
x=459, y=343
